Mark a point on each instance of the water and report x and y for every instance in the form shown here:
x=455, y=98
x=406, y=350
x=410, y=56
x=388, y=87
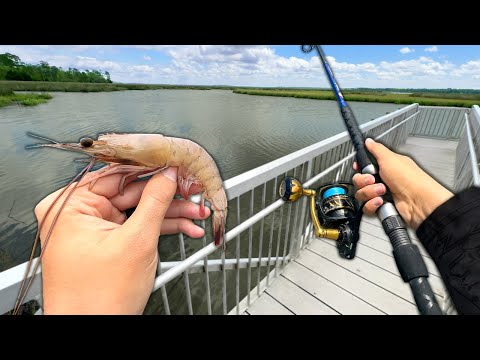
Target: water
x=241, y=132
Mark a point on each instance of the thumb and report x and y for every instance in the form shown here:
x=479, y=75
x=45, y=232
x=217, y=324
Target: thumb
x=378, y=150
x=156, y=198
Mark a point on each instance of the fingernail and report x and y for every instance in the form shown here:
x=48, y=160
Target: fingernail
x=369, y=180
x=379, y=189
x=171, y=173
x=378, y=202
x=369, y=140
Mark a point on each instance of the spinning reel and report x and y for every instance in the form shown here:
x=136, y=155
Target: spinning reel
x=335, y=212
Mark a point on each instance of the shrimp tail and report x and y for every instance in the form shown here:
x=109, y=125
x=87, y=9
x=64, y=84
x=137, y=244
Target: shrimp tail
x=219, y=227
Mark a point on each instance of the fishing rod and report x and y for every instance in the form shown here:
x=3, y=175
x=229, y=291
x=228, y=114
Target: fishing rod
x=407, y=255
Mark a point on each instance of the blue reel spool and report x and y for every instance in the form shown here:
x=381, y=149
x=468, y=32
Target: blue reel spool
x=333, y=191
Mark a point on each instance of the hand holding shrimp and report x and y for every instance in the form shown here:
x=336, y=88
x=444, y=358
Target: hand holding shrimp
x=100, y=262
x=129, y=156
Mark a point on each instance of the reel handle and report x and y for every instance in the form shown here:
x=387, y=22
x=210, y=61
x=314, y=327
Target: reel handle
x=291, y=190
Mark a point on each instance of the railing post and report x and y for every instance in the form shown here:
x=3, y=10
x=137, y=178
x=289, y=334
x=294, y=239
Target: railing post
x=300, y=233
x=473, y=155
x=466, y=163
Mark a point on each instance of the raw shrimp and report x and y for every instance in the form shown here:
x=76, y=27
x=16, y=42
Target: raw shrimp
x=142, y=155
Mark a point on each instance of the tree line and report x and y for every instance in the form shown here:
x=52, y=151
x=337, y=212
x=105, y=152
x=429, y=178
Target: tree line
x=12, y=68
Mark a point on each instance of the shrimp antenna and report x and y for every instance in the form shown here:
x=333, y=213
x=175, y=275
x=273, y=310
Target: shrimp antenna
x=21, y=297
x=41, y=137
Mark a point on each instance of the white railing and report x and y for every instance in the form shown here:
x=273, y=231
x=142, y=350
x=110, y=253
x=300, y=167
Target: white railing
x=266, y=235
x=468, y=152
x=441, y=122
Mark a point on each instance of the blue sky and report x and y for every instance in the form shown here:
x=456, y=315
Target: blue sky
x=427, y=66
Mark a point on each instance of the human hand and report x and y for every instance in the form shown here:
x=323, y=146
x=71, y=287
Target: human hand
x=99, y=262
x=414, y=192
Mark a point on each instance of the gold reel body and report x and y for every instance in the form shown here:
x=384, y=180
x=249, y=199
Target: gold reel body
x=335, y=214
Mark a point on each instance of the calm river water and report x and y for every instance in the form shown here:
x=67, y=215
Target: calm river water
x=241, y=132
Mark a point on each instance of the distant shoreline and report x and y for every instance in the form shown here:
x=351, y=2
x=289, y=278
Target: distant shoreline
x=9, y=97
x=424, y=97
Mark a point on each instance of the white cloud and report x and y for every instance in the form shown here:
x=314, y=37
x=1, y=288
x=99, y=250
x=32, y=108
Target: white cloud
x=470, y=68
x=261, y=66
x=142, y=68
x=406, y=50
x=147, y=58
x=84, y=62
x=431, y=49
x=255, y=66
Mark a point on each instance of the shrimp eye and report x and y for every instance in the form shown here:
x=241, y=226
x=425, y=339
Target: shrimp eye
x=86, y=142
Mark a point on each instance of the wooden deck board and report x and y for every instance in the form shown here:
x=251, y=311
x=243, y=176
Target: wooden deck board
x=327, y=291
x=320, y=282
x=297, y=300
x=364, y=289
x=266, y=305
x=387, y=263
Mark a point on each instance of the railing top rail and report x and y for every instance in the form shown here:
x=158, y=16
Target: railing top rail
x=242, y=183
x=443, y=107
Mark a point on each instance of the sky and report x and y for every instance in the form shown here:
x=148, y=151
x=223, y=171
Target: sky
x=375, y=66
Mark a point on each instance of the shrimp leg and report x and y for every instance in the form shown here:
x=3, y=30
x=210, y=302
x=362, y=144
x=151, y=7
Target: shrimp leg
x=114, y=169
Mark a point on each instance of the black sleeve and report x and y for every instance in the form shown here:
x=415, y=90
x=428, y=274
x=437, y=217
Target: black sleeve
x=451, y=235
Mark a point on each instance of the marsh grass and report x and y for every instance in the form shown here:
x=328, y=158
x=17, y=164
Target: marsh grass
x=23, y=99
x=87, y=87
x=431, y=99
x=8, y=89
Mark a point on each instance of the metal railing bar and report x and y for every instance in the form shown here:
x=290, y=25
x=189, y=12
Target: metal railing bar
x=185, y=274
x=216, y=265
x=473, y=156
x=287, y=228
x=443, y=122
x=224, y=284
x=163, y=291
x=436, y=124
x=428, y=117
x=293, y=238
x=237, y=250
x=262, y=223
x=272, y=226
x=250, y=240
x=277, y=253
x=207, y=277
x=456, y=126
x=305, y=201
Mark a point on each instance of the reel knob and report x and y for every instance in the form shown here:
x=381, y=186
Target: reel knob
x=290, y=189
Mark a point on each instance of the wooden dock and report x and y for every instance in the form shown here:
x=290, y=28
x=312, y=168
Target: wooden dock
x=319, y=282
